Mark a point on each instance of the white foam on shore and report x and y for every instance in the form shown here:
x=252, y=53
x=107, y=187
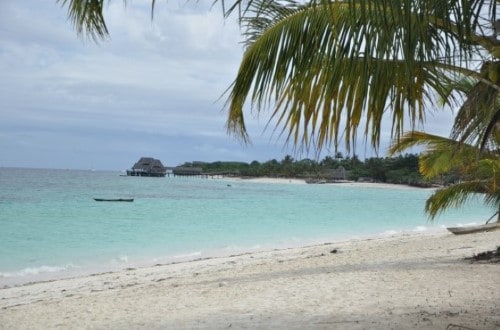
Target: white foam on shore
x=31, y=271
x=188, y=255
x=420, y=228
x=121, y=259
x=35, y=274
x=389, y=233
x=467, y=224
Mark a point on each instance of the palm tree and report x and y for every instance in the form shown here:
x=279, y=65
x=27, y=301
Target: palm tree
x=328, y=68
x=479, y=171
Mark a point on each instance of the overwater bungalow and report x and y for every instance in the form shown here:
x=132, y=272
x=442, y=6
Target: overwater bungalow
x=148, y=166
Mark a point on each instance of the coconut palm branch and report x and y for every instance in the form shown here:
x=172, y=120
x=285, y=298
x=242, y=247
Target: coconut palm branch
x=480, y=176
x=477, y=119
x=457, y=194
x=87, y=17
x=441, y=154
x=331, y=67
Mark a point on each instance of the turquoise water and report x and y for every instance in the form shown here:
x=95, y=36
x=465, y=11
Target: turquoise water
x=51, y=226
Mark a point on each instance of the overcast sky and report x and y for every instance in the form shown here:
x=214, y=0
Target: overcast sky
x=152, y=90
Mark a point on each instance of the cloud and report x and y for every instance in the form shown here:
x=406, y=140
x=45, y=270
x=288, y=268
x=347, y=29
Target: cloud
x=159, y=78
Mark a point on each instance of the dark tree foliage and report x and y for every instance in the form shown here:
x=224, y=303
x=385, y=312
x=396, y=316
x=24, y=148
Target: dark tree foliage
x=399, y=170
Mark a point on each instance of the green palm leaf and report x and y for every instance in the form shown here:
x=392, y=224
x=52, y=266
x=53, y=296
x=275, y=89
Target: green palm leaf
x=479, y=172
x=87, y=17
x=331, y=67
x=457, y=194
x=441, y=154
x=476, y=120
x=478, y=116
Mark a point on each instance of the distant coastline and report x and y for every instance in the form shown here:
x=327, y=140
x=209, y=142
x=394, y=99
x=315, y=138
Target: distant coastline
x=345, y=183
x=402, y=170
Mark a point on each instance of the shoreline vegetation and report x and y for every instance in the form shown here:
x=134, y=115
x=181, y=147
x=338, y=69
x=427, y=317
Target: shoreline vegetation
x=401, y=281
x=402, y=170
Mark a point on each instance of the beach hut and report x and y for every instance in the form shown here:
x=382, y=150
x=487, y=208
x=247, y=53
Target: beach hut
x=148, y=166
x=339, y=174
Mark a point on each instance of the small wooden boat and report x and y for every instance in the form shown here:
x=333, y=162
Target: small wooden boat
x=114, y=199
x=474, y=229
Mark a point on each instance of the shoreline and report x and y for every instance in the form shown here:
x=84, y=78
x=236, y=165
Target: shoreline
x=402, y=281
x=270, y=180
x=73, y=272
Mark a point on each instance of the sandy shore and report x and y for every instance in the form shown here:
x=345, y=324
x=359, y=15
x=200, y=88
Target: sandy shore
x=401, y=282
x=266, y=180
x=339, y=184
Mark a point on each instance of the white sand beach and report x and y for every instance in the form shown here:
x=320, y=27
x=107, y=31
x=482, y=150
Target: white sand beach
x=339, y=183
x=267, y=180
x=400, y=282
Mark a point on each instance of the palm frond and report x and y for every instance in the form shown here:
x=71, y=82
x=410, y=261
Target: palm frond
x=476, y=119
x=491, y=135
x=456, y=195
x=87, y=18
x=441, y=155
x=318, y=64
x=456, y=90
x=479, y=172
x=415, y=138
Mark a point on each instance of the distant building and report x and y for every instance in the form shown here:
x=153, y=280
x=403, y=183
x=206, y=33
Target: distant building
x=337, y=174
x=147, y=166
x=187, y=171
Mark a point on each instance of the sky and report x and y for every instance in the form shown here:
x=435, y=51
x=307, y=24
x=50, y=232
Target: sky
x=154, y=89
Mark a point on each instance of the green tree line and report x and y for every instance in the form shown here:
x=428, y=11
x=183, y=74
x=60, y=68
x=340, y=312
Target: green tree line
x=403, y=169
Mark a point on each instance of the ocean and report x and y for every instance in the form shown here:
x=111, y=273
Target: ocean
x=51, y=227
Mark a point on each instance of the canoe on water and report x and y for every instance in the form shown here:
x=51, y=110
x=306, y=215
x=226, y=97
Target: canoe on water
x=114, y=199
x=474, y=229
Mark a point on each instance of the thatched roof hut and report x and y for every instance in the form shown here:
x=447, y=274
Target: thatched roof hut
x=148, y=166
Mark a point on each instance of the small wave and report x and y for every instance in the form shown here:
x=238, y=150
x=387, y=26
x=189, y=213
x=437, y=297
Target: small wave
x=420, y=228
x=389, y=233
x=467, y=224
x=230, y=248
x=122, y=259
x=31, y=271
x=188, y=255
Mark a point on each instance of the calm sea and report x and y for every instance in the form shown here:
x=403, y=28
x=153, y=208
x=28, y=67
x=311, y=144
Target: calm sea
x=50, y=226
